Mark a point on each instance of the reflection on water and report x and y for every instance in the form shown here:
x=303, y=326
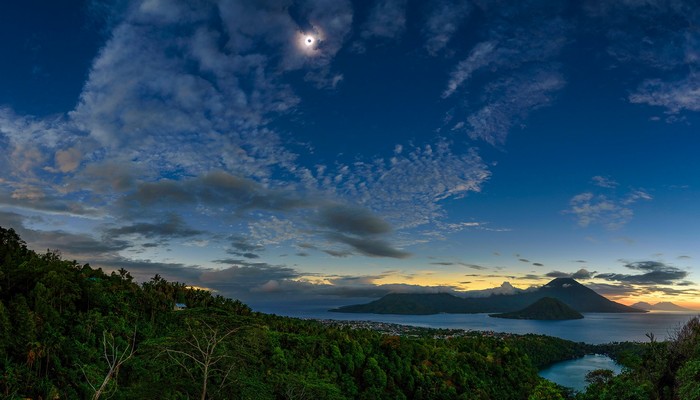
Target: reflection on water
x=594, y=328
x=572, y=373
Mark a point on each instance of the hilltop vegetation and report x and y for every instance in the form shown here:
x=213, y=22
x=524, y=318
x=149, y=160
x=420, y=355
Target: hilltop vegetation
x=70, y=331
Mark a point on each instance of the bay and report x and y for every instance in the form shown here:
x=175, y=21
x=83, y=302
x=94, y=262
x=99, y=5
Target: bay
x=572, y=373
x=594, y=328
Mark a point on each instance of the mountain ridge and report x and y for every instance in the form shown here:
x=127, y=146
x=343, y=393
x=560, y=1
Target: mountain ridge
x=566, y=290
x=660, y=306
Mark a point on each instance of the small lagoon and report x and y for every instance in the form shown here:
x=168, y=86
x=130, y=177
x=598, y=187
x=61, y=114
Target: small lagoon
x=572, y=373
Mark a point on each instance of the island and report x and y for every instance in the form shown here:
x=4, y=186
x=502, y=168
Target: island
x=546, y=308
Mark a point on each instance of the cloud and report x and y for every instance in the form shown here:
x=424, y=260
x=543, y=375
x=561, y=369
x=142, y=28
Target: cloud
x=387, y=20
x=613, y=291
x=369, y=246
x=172, y=226
x=408, y=187
x=214, y=188
x=480, y=56
x=351, y=220
x=611, y=212
x=68, y=160
x=659, y=37
x=241, y=246
x=510, y=100
x=443, y=22
x=581, y=274
x=516, y=65
x=338, y=253
x=241, y=279
x=72, y=245
x=674, y=96
x=653, y=272
x=604, y=182
x=505, y=289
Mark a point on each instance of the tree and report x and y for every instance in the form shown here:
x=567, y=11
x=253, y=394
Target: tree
x=689, y=381
x=546, y=390
x=599, y=376
x=199, y=353
x=115, y=358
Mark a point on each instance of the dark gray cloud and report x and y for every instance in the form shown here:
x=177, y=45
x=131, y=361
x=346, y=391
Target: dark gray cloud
x=446, y=263
x=369, y=246
x=213, y=189
x=11, y=220
x=338, y=253
x=353, y=220
x=613, y=291
x=81, y=246
x=536, y=264
x=44, y=199
x=351, y=225
x=653, y=273
x=172, y=226
x=241, y=246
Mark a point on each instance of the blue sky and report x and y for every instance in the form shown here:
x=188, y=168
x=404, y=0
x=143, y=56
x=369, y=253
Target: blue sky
x=325, y=151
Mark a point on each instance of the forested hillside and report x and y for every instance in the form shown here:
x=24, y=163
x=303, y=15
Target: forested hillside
x=69, y=331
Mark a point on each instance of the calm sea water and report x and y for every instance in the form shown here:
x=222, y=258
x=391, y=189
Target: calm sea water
x=572, y=373
x=594, y=328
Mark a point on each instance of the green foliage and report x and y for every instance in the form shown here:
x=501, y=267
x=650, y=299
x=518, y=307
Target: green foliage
x=546, y=390
x=689, y=380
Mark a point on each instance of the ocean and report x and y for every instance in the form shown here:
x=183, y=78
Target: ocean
x=594, y=328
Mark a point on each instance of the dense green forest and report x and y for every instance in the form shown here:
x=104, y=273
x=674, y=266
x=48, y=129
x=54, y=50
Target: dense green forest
x=70, y=331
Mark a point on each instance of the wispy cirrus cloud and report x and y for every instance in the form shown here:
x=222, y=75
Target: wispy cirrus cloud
x=387, y=20
x=443, y=22
x=659, y=36
x=519, y=58
x=604, y=182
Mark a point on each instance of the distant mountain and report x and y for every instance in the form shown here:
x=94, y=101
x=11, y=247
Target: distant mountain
x=546, y=308
x=566, y=290
x=643, y=305
x=661, y=306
